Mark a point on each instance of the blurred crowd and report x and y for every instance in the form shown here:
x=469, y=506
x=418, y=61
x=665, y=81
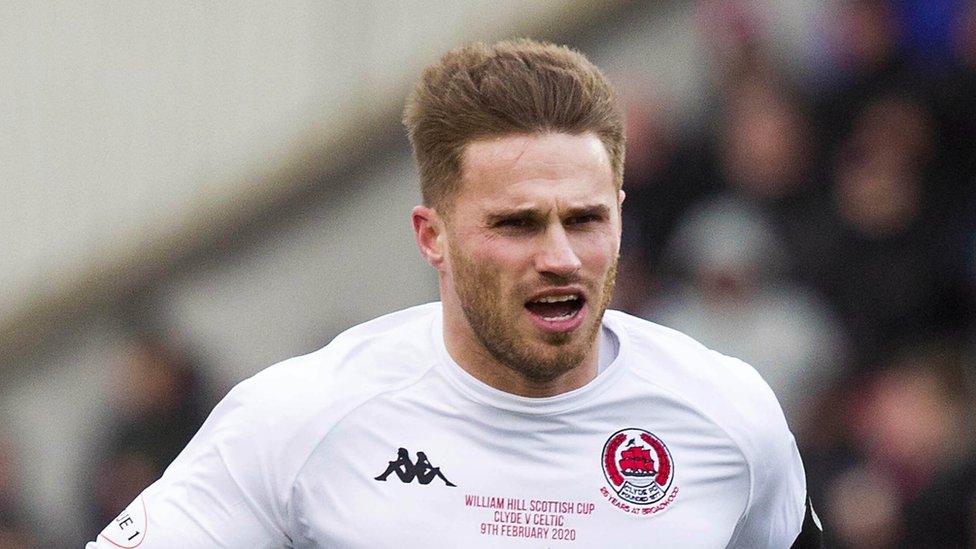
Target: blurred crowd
x=161, y=400
x=816, y=221
x=819, y=222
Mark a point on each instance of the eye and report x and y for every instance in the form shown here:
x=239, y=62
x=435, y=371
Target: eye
x=583, y=219
x=512, y=223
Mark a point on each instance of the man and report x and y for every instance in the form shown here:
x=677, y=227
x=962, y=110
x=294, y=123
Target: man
x=556, y=424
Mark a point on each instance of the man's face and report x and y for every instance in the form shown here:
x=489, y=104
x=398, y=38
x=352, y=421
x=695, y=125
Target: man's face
x=532, y=242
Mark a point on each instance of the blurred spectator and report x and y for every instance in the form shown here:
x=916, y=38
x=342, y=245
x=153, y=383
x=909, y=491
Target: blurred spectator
x=913, y=428
x=865, y=38
x=914, y=418
x=882, y=259
x=764, y=144
x=863, y=511
x=667, y=172
x=660, y=186
x=929, y=397
x=734, y=301
x=758, y=147
x=161, y=402
x=768, y=157
x=864, y=46
x=733, y=35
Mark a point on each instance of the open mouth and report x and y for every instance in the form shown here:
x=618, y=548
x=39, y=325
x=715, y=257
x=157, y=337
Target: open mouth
x=556, y=308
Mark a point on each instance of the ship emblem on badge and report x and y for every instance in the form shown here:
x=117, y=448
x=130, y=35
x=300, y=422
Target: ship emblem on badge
x=638, y=467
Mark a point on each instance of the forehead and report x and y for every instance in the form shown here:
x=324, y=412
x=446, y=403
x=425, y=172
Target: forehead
x=526, y=166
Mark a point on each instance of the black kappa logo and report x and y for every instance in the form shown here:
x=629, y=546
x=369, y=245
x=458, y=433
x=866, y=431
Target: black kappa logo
x=407, y=470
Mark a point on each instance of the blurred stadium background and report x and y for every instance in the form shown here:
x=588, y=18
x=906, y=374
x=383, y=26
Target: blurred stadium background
x=191, y=192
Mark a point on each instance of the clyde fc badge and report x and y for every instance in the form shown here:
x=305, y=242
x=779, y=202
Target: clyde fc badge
x=639, y=471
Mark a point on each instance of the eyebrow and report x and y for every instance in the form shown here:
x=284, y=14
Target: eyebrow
x=601, y=210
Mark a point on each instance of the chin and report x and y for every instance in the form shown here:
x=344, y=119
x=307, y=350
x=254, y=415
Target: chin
x=551, y=361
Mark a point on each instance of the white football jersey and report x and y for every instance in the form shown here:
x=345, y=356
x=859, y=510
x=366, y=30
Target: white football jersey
x=381, y=440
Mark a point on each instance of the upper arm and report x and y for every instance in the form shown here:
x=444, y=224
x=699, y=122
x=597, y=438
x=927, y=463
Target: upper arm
x=776, y=505
x=777, y=500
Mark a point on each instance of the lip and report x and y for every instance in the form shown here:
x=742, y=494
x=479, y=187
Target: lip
x=559, y=326
x=561, y=290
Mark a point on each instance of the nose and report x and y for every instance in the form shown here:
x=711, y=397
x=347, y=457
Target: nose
x=557, y=256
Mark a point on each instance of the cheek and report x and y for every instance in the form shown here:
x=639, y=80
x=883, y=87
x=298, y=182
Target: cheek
x=503, y=257
x=600, y=251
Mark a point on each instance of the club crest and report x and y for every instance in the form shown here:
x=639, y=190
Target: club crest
x=639, y=469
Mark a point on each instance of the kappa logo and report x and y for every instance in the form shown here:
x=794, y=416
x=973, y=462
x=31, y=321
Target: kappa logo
x=406, y=470
x=640, y=471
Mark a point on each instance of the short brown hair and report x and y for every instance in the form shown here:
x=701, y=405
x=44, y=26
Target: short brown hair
x=513, y=87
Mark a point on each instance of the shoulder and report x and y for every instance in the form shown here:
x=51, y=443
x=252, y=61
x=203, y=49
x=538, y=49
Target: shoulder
x=241, y=465
x=725, y=389
x=277, y=417
x=380, y=351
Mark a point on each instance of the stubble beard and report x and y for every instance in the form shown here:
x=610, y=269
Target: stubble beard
x=479, y=293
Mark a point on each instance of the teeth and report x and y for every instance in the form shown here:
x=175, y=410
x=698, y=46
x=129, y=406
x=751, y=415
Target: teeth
x=557, y=298
x=566, y=316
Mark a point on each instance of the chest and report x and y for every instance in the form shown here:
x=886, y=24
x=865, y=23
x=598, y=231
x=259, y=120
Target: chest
x=409, y=476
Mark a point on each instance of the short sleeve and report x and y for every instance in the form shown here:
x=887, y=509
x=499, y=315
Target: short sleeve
x=218, y=492
x=774, y=514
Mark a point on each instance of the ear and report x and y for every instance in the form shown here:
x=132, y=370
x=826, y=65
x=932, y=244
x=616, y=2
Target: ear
x=428, y=229
x=621, y=195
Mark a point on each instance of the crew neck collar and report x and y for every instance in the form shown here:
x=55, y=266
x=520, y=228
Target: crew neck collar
x=480, y=391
